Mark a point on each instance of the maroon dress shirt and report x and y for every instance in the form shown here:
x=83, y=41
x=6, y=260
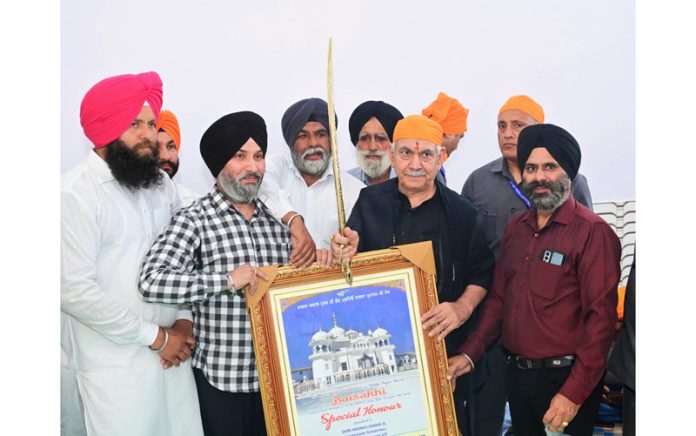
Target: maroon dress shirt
x=554, y=293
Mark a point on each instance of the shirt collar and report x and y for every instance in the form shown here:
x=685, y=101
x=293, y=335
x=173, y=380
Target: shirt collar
x=100, y=167
x=223, y=205
x=298, y=174
x=500, y=166
x=563, y=215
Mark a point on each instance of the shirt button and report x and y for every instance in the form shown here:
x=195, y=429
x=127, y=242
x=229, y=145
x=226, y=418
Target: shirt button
x=526, y=258
x=536, y=235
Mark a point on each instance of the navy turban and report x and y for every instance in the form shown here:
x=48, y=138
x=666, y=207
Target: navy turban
x=228, y=134
x=385, y=113
x=301, y=113
x=560, y=144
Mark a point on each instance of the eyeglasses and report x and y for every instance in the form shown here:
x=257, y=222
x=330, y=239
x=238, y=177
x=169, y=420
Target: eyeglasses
x=427, y=156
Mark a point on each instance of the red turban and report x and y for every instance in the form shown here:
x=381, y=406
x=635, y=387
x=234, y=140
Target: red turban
x=111, y=105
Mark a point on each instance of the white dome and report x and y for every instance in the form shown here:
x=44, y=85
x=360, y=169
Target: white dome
x=379, y=332
x=337, y=331
x=320, y=336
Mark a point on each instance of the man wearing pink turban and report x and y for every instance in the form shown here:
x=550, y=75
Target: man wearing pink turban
x=124, y=363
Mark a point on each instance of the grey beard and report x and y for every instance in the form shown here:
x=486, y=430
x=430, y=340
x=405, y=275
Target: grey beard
x=314, y=168
x=559, y=193
x=238, y=192
x=371, y=167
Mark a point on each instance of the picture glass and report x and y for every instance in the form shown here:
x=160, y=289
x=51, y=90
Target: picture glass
x=350, y=356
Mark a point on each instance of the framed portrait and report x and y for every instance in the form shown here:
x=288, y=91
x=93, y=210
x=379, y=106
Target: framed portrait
x=335, y=358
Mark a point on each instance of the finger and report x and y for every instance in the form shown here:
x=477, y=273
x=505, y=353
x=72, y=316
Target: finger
x=304, y=259
x=445, y=331
x=191, y=341
x=261, y=275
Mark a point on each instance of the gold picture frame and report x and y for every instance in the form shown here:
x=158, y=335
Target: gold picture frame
x=378, y=374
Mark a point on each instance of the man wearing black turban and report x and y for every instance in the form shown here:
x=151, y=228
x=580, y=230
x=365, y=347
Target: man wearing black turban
x=371, y=127
x=553, y=296
x=300, y=187
x=208, y=253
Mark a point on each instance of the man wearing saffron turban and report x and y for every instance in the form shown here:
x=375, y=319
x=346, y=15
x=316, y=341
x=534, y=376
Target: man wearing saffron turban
x=169, y=143
x=415, y=207
x=125, y=366
x=451, y=116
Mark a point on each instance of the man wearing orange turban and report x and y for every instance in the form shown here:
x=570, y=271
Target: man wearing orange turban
x=124, y=362
x=415, y=207
x=452, y=117
x=493, y=189
x=169, y=142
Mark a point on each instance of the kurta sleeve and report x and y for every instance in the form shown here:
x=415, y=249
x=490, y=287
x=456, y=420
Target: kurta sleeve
x=276, y=199
x=81, y=294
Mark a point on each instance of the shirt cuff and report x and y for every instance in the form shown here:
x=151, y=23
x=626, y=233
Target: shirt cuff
x=148, y=334
x=184, y=314
x=574, y=390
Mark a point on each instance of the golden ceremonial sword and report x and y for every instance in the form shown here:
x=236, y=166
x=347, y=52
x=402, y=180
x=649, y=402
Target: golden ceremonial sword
x=345, y=268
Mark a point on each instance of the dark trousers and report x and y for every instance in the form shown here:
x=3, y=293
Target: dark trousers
x=229, y=413
x=530, y=391
x=463, y=397
x=629, y=412
x=489, y=398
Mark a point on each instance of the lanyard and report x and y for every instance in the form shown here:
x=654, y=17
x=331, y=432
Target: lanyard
x=516, y=190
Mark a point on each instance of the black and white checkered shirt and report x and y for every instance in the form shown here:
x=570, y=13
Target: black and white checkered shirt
x=188, y=264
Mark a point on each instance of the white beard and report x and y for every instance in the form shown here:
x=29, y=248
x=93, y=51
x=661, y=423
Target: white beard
x=373, y=168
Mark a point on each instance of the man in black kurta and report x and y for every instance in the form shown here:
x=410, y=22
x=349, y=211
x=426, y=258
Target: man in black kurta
x=415, y=207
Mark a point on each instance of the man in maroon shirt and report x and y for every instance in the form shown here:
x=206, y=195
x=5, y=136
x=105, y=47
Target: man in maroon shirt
x=553, y=296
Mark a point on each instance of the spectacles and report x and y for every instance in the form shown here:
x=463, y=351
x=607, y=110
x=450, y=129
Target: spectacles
x=428, y=155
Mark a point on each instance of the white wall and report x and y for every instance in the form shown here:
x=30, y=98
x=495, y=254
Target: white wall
x=576, y=58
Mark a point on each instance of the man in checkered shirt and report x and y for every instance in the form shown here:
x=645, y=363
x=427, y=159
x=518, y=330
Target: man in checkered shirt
x=208, y=253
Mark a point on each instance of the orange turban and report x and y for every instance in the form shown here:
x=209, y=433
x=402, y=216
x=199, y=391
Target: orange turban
x=449, y=113
x=524, y=104
x=418, y=127
x=167, y=121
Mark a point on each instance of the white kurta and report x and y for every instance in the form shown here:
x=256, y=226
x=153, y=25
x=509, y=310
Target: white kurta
x=186, y=195
x=283, y=189
x=106, y=326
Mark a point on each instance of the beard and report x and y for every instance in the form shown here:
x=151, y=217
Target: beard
x=173, y=165
x=240, y=192
x=132, y=169
x=557, y=195
x=314, y=168
x=373, y=167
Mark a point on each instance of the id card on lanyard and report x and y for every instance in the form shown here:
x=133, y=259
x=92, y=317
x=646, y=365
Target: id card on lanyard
x=516, y=190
